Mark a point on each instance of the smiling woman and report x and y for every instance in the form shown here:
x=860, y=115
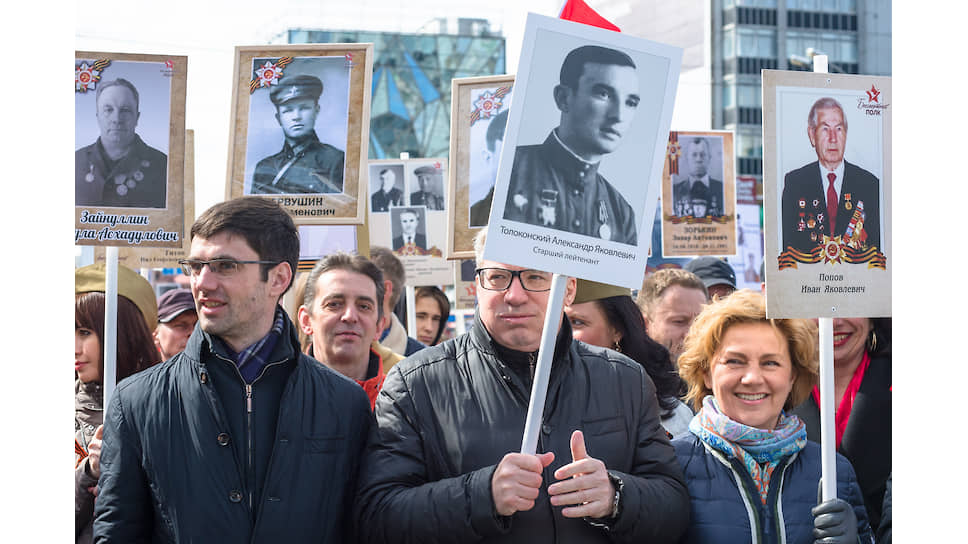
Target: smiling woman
x=745, y=453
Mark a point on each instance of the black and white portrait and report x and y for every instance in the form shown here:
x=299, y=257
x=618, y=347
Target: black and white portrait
x=297, y=126
x=408, y=230
x=122, y=132
x=386, y=187
x=486, y=144
x=426, y=187
x=697, y=190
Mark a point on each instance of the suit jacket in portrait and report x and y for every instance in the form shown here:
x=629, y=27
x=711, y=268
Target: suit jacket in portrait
x=682, y=195
x=311, y=167
x=804, y=207
x=550, y=187
x=137, y=180
x=419, y=240
x=381, y=202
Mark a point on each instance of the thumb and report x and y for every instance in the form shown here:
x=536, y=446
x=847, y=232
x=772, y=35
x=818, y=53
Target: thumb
x=578, y=446
x=546, y=458
x=99, y=432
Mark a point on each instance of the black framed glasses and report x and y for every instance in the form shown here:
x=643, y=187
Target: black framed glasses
x=499, y=279
x=222, y=267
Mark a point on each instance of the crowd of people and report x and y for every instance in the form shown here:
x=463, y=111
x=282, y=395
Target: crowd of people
x=681, y=415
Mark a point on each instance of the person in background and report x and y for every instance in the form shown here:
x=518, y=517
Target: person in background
x=862, y=391
x=752, y=474
x=606, y=316
x=432, y=308
x=394, y=336
x=716, y=274
x=176, y=321
x=137, y=311
x=669, y=300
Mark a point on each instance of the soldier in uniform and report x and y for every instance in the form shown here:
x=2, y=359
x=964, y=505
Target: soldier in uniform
x=387, y=195
x=426, y=195
x=830, y=196
x=494, y=143
x=556, y=184
x=304, y=165
x=697, y=185
x=119, y=169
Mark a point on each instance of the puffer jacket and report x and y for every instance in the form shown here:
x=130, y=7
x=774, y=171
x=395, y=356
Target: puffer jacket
x=88, y=415
x=448, y=415
x=193, y=454
x=726, y=506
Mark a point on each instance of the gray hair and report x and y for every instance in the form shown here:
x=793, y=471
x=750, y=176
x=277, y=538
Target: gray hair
x=822, y=104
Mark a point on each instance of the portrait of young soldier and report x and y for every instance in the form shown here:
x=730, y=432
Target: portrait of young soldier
x=304, y=164
x=697, y=193
x=119, y=169
x=494, y=143
x=388, y=190
x=830, y=196
x=557, y=184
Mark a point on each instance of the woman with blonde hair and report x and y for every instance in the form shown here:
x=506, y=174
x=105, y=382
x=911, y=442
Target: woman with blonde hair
x=751, y=472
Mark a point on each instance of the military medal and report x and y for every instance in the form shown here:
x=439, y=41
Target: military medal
x=811, y=222
x=138, y=176
x=813, y=236
x=604, y=231
x=131, y=183
x=122, y=189
x=802, y=202
x=145, y=164
x=816, y=202
x=89, y=177
x=546, y=206
x=847, y=204
x=800, y=224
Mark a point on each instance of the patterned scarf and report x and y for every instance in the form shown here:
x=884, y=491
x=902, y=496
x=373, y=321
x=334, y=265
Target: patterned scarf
x=760, y=451
x=253, y=359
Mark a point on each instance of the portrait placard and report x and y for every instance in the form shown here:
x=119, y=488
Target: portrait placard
x=827, y=194
x=579, y=173
x=416, y=230
x=164, y=257
x=300, y=128
x=699, y=194
x=479, y=112
x=465, y=284
x=129, y=136
x=318, y=241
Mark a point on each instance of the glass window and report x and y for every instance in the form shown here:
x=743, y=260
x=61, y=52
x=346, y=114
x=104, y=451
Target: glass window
x=749, y=144
x=748, y=96
x=729, y=43
x=729, y=95
x=760, y=43
x=848, y=49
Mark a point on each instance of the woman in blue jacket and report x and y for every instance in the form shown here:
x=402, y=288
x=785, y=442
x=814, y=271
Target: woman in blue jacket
x=751, y=473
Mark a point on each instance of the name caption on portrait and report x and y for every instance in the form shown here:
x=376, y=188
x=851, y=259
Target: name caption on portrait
x=829, y=288
x=111, y=230
x=564, y=242
x=296, y=206
x=704, y=238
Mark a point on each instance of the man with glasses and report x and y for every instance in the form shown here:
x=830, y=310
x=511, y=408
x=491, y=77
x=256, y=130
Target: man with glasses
x=239, y=438
x=450, y=420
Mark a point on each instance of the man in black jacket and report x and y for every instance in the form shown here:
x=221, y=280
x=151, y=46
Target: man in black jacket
x=239, y=438
x=442, y=465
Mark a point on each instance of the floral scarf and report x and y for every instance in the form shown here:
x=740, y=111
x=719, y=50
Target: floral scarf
x=759, y=450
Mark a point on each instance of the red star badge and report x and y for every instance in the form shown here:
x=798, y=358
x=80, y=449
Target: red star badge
x=873, y=94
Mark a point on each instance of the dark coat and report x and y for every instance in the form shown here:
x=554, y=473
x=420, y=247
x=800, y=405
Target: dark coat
x=178, y=464
x=430, y=200
x=419, y=240
x=316, y=168
x=802, y=188
x=448, y=415
x=722, y=512
x=550, y=187
x=381, y=202
x=143, y=173
x=682, y=198
x=866, y=442
x=481, y=210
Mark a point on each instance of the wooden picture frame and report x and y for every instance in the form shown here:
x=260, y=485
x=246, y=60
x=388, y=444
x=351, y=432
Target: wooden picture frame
x=318, y=172
x=476, y=102
x=130, y=154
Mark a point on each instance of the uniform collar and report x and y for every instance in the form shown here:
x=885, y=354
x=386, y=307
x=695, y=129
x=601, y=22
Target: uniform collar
x=302, y=145
x=567, y=164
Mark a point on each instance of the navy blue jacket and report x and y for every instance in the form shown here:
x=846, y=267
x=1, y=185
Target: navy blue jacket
x=191, y=454
x=720, y=511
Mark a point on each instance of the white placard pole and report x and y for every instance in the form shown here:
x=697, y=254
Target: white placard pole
x=411, y=312
x=110, y=348
x=546, y=352
x=828, y=424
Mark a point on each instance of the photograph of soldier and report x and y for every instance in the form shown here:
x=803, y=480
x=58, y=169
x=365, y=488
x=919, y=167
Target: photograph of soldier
x=408, y=230
x=304, y=164
x=830, y=196
x=556, y=183
x=119, y=168
x=697, y=191
x=430, y=188
x=387, y=184
x=490, y=155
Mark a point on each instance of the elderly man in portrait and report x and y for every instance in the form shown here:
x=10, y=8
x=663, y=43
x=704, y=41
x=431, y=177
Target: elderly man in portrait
x=556, y=184
x=830, y=197
x=387, y=195
x=119, y=169
x=444, y=462
x=493, y=144
x=304, y=165
x=426, y=196
x=696, y=194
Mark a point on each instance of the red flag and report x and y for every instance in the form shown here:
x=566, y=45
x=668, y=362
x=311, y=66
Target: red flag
x=579, y=12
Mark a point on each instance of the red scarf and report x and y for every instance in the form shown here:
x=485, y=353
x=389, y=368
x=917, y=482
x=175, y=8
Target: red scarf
x=842, y=415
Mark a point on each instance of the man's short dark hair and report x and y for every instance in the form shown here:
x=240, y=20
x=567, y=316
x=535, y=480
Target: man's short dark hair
x=495, y=130
x=262, y=223
x=351, y=263
x=101, y=86
x=700, y=141
x=574, y=63
x=392, y=270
